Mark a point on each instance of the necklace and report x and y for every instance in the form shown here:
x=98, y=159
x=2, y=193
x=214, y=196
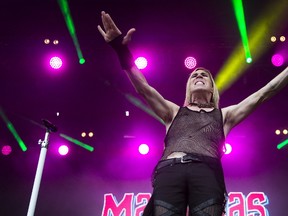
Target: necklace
x=206, y=105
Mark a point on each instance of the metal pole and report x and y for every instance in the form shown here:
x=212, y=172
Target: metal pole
x=44, y=146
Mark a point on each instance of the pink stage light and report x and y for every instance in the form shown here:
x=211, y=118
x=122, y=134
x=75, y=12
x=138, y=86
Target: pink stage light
x=6, y=150
x=277, y=60
x=56, y=62
x=63, y=150
x=141, y=63
x=190, y=62
x=143, y=149
x=227, y=149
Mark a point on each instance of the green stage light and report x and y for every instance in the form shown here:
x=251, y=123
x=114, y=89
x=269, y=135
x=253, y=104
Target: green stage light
x=239, y=13
x=71, y=28
x=77, y=142
x=282, y=144
x=249, y=60
x=273, y=19
x=82, y=61
x=13, y=130
x=142, y=106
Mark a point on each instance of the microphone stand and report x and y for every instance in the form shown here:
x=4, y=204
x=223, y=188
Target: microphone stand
x=44, y=146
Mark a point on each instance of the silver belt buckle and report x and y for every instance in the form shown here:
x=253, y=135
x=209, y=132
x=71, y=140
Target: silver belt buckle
x=185, y=161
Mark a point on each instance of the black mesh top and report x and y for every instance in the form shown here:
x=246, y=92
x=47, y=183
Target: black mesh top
x=200, y=133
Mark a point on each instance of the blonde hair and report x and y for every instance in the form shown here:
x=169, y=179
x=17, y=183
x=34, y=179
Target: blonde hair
x=215, y=93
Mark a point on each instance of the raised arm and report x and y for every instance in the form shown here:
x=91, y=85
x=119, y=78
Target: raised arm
x=165, y=109
x=234, y=114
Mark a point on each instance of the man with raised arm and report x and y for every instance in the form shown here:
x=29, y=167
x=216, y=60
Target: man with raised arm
x=189, y=173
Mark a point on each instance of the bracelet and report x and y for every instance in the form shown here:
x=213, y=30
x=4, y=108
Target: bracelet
x=124, y=55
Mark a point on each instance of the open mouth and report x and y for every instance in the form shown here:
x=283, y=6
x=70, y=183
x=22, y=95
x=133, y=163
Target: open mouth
x=199, y=83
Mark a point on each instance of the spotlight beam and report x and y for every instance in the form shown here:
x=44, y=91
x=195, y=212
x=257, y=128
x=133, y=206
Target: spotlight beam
x=142, y=106
x=282, y=144
x=135, y=101
x=77, y=142
x=240, y=17
x=63, y=4
x=273, y=19
x=13, y=130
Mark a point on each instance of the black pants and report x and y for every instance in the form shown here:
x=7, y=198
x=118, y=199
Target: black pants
x=195, y=185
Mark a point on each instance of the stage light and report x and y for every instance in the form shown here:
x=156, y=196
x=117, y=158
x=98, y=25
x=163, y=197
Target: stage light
x=64, y=6
x=6, y=150
x=282, y=38
x=63, y=150
x=138, y=103
x=233, y=68
x=77, y=142
x=285, y=131
x=143, y=149
x=227, y=149
x=277, y=132
x=82, y=61
x=90, y=134
x=129, y=137
x=141, y=63
x=46, y=41
x=249, y=60
x=277, y=60
x=240, y=17
x=282, y=144
x=273, y=39
x=83, y=134
x=190, y=62
x=13, y=130
x=127, y=113
x=55, y=42
x=57, y=113
x=56, y=62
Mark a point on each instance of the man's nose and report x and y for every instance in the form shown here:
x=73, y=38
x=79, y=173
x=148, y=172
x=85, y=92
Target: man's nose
x=199, y=75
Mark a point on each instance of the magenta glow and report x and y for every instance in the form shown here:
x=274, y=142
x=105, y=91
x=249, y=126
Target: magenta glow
x=141, y=62
x=63, y=150
x=190, y=62
x=143, y=149
x=6, y=150
x=56, y=62
x=277, y=60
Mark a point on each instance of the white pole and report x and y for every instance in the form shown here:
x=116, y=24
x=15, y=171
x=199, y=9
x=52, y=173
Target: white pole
x=38, y=176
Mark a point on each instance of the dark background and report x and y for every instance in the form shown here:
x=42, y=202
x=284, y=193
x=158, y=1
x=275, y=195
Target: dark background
x=91, y=97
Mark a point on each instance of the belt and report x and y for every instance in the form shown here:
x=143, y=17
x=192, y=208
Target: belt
x=184, y=159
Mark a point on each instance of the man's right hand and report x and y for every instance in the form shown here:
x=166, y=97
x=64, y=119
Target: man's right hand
x=111, y=31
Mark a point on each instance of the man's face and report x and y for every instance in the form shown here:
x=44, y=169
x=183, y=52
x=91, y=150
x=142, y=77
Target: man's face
x=200, y=81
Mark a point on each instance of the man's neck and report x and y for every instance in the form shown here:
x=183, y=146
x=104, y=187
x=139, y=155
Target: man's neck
x=202, y=105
